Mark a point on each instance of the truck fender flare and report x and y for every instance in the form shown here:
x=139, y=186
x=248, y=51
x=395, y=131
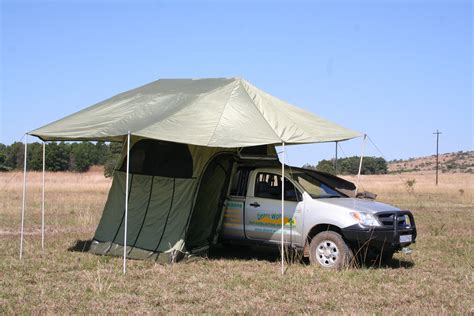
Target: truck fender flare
x=316, y=230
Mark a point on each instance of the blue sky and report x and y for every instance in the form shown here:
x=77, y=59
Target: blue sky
x=397, y=70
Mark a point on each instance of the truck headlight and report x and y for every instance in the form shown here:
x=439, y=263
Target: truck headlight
x=365, y=219
x=407, y=221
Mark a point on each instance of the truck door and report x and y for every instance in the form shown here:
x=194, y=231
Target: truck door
x=263, y=209
x=233, y=222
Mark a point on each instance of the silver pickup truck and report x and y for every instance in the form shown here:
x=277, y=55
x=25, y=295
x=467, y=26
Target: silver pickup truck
x=323, y=218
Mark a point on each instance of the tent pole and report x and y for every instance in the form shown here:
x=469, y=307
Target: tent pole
x=283, y=209
x=42, y=196
x=126, y=207
x=360, y=164
x=24, y=196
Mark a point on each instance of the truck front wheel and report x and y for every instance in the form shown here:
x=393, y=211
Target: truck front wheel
x=330, y=251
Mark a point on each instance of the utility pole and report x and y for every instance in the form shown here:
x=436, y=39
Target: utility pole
x=335, y=160
x=437, y=153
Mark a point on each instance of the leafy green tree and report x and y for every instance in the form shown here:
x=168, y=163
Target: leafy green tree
x=14, y=155
x=3, y=158
x=326, y=166
x=382, y=167
x=83, y=155
x=111, y=159
x=35, y=156
x=308, y=166
x=101, y=152
x=76, y=156
x=57, y=157
x=350, y=165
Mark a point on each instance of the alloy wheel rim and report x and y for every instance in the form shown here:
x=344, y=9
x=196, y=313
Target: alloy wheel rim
x=327, y=253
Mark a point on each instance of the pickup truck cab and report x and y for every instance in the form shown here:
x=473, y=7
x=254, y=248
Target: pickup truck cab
x=323, y=218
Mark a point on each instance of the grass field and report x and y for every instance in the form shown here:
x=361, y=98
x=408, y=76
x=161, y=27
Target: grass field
x=436, y=278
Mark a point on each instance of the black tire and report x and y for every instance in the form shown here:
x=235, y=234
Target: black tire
x=329, y=250
x=387, y=257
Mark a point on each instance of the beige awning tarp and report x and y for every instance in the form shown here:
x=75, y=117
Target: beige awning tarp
x=221, y=112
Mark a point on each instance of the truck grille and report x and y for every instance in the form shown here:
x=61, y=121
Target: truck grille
x=387, y=220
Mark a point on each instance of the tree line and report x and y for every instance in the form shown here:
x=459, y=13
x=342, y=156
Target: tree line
x=60, y=156
x=350, y=165
x=80, y=156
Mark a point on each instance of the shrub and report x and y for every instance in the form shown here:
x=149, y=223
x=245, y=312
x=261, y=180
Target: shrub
x=410, y=184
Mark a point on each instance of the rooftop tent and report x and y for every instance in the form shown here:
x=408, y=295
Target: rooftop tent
x=184, y=135
x=222, y=112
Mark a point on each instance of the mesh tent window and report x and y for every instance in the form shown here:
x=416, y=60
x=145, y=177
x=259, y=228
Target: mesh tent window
x=158, y=158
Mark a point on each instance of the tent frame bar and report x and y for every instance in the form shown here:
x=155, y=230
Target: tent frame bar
x=126, y=206
x=23, y=205
x=283, y=209
x=360, y=163
x=42, y=195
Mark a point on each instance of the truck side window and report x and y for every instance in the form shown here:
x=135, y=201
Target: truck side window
x=268, y=185
x=239, y=183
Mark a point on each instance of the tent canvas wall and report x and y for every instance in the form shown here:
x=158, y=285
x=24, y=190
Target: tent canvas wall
x=176, y=195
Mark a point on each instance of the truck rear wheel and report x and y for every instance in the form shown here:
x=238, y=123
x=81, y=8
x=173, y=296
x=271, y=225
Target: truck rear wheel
x=330, y=251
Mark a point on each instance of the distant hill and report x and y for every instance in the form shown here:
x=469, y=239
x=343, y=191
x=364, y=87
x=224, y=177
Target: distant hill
x=461, y=161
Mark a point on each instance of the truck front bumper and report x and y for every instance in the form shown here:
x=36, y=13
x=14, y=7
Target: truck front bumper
x=388, y=237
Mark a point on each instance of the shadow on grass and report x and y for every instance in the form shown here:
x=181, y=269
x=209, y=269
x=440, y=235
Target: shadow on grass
x=392, y=264
x=80, y=246
x=397, y=264
x=234, y=252
x=237, y=252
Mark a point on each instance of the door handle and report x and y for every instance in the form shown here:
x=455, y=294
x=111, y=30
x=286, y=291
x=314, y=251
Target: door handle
x=255, y=204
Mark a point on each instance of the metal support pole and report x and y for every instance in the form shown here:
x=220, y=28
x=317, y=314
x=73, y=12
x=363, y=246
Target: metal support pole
x=283, y=210
x=437, y=153
x=42, y=196
x=24, y=197
x=335, y=160
x=360, y=164
x=126, y=207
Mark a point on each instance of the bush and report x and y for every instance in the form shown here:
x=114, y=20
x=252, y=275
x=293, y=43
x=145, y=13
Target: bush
x=350, y=166
x=111, y=159
x=410, y=184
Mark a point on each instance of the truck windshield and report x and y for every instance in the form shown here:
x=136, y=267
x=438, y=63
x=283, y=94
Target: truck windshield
x=315, y=188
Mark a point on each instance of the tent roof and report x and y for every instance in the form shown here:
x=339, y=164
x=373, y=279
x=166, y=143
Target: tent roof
x=220, y=112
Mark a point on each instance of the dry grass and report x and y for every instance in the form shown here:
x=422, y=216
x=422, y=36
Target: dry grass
x=437, y=278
